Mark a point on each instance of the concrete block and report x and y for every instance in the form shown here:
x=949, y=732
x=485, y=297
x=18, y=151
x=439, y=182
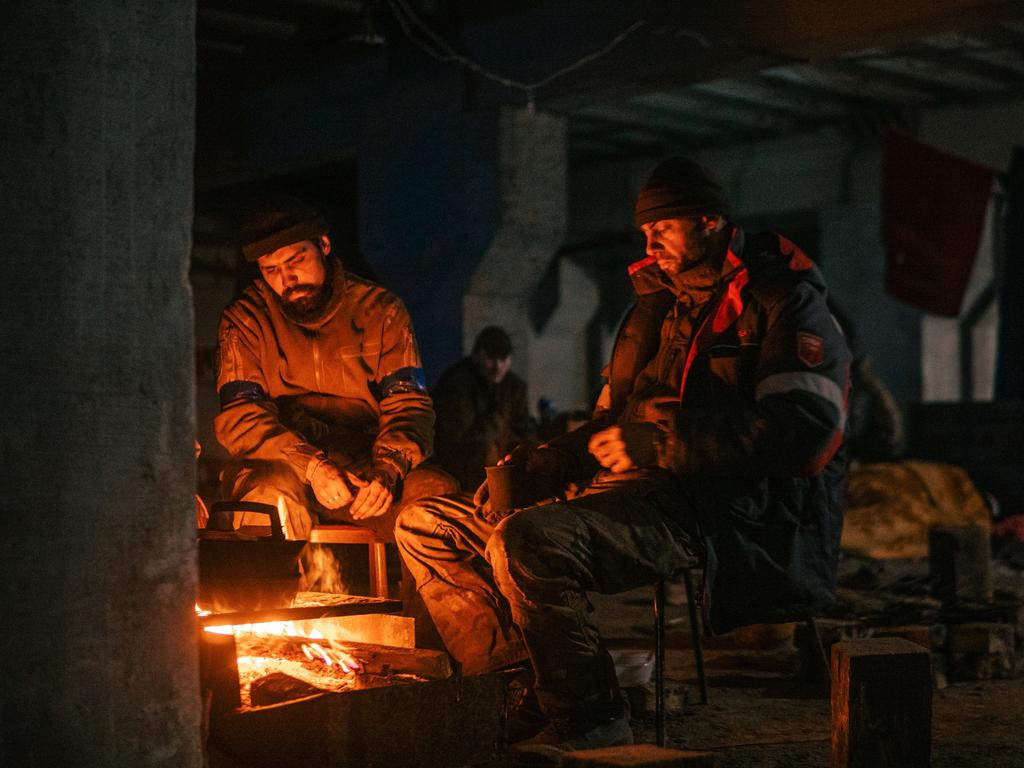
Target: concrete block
x=960, y=564
x=438, y=722
x=981, y=651
x=638, y=756
x=881, y=704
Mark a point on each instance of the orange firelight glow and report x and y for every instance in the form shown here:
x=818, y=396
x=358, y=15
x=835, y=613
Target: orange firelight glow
x=329, y=652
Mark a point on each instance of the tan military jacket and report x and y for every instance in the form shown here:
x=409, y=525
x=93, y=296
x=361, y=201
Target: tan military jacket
x=350, y=383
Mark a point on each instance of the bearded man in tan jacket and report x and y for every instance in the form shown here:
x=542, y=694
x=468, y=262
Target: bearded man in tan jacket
x=323, y=397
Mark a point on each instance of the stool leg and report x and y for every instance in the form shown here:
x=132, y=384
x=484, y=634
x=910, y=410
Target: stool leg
x=698, y=649
x=378, y=570
x=659, y=662
x=824, y=665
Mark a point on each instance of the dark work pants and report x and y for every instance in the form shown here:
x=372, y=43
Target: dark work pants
x=498, y=594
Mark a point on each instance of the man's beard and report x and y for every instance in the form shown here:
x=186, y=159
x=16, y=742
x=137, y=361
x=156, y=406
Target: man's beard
x=701, y=269
x=310, y=306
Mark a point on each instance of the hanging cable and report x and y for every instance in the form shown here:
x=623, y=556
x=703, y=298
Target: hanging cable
x=436, y=47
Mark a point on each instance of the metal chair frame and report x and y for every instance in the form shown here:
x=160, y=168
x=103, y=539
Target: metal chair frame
x=698, y=650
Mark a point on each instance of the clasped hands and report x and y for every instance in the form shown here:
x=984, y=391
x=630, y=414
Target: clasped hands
x=370, y=495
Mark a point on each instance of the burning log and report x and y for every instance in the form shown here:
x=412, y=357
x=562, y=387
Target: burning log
x=277, y=687
x=373, y=659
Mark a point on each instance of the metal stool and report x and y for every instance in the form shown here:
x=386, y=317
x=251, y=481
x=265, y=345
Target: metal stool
x=659, y=651
x=354, y=534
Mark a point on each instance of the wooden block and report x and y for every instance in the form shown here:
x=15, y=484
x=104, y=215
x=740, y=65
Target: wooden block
x=920, y=634
x=981, y=651
x=960, y=564
x=638, y=756
x=881, y=704
x=218, y=671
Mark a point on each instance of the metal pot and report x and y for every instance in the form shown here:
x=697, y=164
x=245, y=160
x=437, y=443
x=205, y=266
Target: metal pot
x=242, y=572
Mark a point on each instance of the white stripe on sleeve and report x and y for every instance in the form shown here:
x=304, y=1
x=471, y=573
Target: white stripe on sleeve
x=804, y=381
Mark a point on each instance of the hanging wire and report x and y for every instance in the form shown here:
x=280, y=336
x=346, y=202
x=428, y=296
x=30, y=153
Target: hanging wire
x=436, y=47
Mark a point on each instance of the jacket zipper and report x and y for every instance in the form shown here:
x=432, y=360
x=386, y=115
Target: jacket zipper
x=316, y=362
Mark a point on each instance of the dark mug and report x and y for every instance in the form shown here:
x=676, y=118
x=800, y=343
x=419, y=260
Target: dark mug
x=506, y=487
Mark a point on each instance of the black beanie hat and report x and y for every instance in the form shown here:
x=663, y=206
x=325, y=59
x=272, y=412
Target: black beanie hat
x=277, y=222
x=679, y=187
x=493, y=342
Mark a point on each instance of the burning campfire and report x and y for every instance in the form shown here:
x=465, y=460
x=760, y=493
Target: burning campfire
x=279, y=655
x=283, y=648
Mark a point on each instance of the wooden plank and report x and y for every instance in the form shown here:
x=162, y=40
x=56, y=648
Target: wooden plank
x=355, y=606
x=638, y=756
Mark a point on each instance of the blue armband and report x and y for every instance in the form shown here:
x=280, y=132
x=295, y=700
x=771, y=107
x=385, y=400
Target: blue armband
x=403, y=381
x=234, y=391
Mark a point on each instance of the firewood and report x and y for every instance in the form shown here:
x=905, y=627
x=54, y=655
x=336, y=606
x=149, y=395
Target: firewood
x=375, y=659
x=277, y=687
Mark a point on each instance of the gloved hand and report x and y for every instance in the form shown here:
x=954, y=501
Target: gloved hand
x=329, y=484
x=374, y=494
x=626, y=447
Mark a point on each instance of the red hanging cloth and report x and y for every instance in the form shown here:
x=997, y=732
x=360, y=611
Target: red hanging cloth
x=933, y=209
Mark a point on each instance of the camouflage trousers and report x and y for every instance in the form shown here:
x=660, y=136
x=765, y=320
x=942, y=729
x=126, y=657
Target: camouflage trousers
x=501, y=594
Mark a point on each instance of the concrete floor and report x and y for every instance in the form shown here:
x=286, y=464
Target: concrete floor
x=759, y=714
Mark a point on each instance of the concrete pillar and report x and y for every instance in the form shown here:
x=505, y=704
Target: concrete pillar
x=532, y=167
x=98, y=576
x=460, y=212
x=558, y=355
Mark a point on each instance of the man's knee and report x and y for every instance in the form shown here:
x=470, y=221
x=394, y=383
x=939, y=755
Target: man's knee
x=414, y=522
x=427, y=480
x=516, y=540
x=244, y=478
x=269, y=482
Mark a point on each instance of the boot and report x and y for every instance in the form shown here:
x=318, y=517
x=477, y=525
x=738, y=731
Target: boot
x=525, y=718
x=606, y=726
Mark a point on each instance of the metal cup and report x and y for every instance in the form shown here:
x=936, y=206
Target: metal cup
x=506, y=486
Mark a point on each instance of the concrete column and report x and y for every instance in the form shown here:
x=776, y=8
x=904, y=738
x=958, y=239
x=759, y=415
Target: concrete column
x=98, y=576
x=532, y=167
x=558, y=355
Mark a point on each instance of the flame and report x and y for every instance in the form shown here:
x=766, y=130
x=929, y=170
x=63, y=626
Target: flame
x=333, y=655
x=201, y=612
x=322, y=570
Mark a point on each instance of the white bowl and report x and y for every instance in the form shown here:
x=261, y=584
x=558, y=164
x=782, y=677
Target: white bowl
x=633, y=667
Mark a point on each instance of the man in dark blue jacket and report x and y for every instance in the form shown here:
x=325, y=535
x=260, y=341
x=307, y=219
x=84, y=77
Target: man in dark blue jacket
x=719, y=436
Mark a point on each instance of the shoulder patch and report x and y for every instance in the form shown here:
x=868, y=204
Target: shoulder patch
x=810, y=349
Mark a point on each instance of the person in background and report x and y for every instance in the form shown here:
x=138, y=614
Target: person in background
x=719, y=437
x=481, y=408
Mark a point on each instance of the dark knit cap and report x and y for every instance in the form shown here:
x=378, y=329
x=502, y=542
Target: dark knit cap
x=277, y=222
x=493, y=342
x=679, y=187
